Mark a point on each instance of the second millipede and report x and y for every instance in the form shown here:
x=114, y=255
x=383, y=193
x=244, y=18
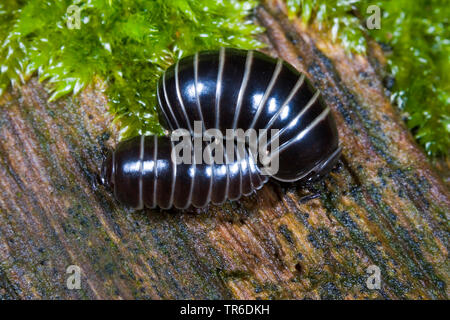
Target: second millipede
x=226, y=89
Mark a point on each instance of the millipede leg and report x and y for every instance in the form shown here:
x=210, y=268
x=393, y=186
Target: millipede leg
x=309, y=197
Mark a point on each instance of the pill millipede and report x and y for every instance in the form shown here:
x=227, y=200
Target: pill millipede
x=225, y=89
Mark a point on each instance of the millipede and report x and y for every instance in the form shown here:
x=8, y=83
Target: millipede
x=225, y=89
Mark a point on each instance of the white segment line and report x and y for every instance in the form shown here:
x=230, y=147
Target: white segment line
x=317, y=166
x=199, y=107
x=141, y=169
x=305, y=131
x=236, y=151
x=248, y=67
x=257, y=171
x=219, y=84
x=155, y=175
x=162, y=108
x=211, y=180
x=194, y=170
x=227, y=173
x=249, y=168
x=299, y=115
x=291, y=95
x=174, y=175
x=177, y=87
x=269, y=88
x=166, y=97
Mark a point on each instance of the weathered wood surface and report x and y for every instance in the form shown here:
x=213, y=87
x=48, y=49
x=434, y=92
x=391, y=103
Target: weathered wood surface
x=384, y=205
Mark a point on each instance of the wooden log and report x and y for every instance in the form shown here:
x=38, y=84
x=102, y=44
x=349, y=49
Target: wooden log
x=383, y=205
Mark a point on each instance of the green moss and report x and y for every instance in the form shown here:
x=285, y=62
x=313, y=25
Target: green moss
x=126, y=43
x=129, y=43
x=418, y=33
x=332, y=15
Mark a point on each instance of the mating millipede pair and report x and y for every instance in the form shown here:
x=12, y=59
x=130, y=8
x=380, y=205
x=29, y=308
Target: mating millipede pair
x=226, y=89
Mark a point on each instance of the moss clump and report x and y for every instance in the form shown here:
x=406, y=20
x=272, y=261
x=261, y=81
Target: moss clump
x=418, y=33
x=332, y=15
x=127, y=43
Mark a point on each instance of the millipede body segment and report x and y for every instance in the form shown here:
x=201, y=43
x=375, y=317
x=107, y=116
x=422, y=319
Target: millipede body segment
x=142, y=173
x=231, y=89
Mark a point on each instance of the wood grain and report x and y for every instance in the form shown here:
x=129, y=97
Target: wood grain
x=383, y=205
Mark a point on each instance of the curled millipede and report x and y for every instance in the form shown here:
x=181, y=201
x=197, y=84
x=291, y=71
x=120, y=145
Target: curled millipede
x=142, y=173
x=226, y=89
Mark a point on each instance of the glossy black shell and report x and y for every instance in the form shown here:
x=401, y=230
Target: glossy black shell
x=226, y=89
x=142, y=173
x=230, y=89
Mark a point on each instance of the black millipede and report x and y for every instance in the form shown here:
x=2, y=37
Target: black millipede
x=226, y=89
x=142, y=173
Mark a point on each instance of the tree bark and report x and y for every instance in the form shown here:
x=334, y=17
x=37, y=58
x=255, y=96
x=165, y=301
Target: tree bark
x=384, y=204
